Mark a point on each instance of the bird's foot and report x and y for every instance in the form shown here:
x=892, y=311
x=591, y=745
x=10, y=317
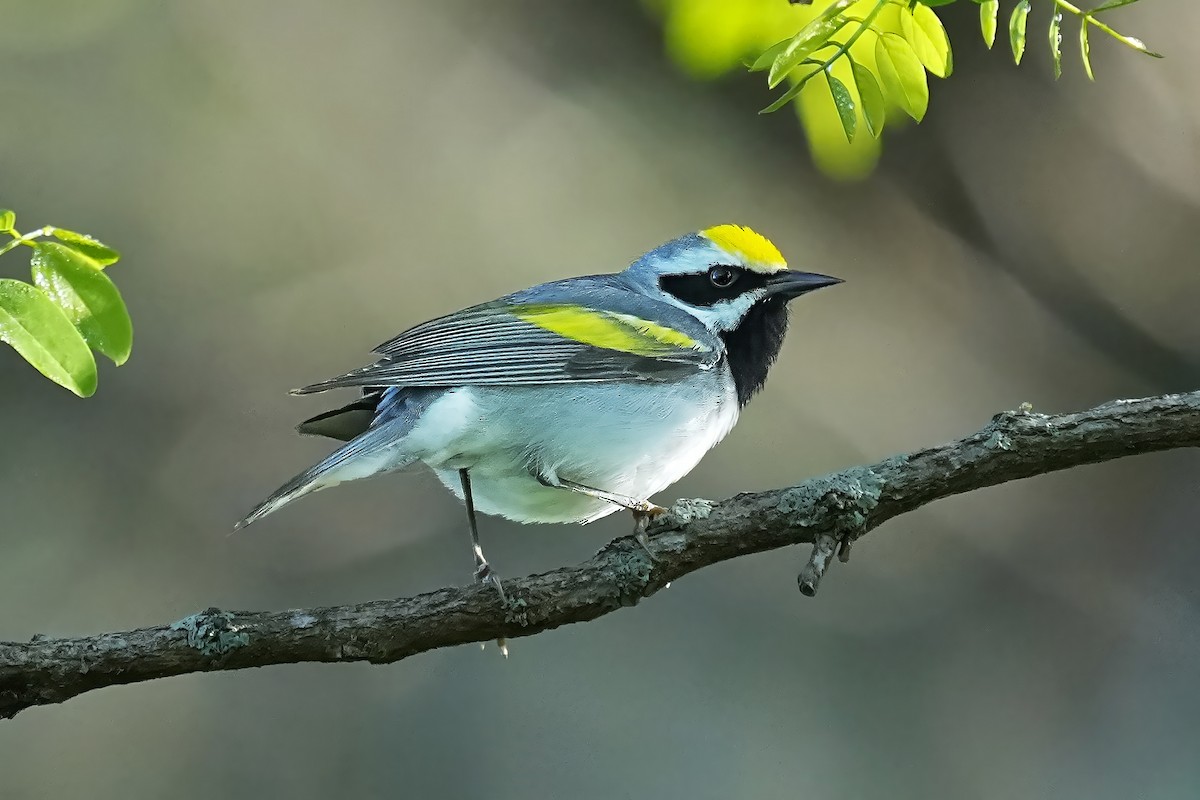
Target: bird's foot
x=484, y=574
x=641, y=521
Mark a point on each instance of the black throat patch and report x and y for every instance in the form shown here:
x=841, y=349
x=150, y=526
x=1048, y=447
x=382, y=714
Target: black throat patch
x=754, y=344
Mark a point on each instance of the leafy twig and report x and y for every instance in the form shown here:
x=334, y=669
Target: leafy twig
x=825, y=65
x=70, y=309
x=904, y=55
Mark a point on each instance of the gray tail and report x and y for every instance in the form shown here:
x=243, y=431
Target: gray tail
x=373, y=452
x=304, y=483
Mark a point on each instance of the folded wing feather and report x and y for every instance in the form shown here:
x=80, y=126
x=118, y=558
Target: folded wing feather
x=515, y=344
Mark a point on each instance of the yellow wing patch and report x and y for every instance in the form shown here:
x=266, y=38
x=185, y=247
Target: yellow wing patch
x=607, y=329
x=756, y=250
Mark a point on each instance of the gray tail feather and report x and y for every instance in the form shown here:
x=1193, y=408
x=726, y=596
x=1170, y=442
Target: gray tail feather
x=338, y=466
x=358, y=377
x=315, y=388
x=304, y=483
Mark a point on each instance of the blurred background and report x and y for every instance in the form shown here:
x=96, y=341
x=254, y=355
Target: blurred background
x=291, y=183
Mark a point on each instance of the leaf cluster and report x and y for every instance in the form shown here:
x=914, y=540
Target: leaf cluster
x=1018, y=22
x=890, y=46
x=70, y=309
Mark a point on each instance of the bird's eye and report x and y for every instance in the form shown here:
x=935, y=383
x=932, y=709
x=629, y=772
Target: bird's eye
x=722, y=277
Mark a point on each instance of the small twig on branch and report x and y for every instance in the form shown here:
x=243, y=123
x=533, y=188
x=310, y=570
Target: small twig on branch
x=812, y=572
x=830, y=511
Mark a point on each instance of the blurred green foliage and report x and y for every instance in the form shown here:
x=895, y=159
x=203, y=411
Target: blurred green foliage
x=70, y=309
x=874, y=57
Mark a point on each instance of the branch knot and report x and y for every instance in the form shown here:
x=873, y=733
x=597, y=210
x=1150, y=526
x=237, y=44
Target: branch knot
x=838, y=514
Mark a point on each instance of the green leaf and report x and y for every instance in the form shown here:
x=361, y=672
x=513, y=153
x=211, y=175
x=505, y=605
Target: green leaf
x=870, y=97
x=923, y=30
x=811, y=38
x=935, y=3
x=1056, y=43
x=903, y=76
x=1085, y=49
x=788, y=96
x=8, y=219
x=38, y=329
x=1137, y=44
x=94, y=249
x=90, y=300
x=844, y=102
x=1016, y=29
x=1111, y=4
x=987, y=20
x=767, y=56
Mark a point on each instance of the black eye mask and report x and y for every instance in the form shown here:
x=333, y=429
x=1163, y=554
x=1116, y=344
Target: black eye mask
x=705, y=289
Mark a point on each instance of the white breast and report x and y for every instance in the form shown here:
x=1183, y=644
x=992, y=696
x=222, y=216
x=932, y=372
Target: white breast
x=630, y=439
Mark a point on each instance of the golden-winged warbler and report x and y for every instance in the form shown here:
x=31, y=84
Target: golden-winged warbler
x=575, y=398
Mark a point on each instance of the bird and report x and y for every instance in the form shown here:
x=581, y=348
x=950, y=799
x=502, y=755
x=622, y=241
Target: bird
x=573, y=399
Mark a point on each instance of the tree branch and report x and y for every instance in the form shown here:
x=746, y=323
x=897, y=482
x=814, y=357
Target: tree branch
x=830, y=511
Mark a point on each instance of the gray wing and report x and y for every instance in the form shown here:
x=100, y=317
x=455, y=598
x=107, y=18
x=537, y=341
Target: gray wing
x=495, y=344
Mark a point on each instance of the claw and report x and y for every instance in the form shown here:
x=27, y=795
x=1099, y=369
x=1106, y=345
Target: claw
x=641, y=521
x=485, y=574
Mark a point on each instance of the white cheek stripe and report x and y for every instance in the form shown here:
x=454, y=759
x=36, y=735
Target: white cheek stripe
x=724, y=315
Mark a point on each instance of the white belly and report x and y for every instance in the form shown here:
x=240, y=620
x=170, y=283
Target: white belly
x=625, y=439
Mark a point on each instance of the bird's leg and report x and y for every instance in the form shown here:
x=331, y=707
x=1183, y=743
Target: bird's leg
x=483, y=570
x=643, y=510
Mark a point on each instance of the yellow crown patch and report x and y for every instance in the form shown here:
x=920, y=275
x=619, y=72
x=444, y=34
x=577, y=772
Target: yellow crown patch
x=754, y=248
